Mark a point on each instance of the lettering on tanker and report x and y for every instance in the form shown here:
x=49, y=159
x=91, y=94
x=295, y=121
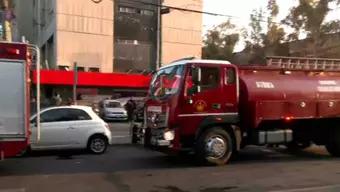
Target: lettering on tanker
x=265, y=85
x=329, y=89
x=327, y=82
x=328, y=86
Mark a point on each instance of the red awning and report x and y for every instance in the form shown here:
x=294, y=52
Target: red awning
x=93, y=79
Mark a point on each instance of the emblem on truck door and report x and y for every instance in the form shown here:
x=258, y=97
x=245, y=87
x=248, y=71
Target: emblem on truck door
x=200, y=105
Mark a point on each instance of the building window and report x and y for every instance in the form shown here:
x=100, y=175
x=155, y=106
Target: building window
x=63, y=68
x=127, y=10
x=93, y=69
x=81, y=69
x=146, y=12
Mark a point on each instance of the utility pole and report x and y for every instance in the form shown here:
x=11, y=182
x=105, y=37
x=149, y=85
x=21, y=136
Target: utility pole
x=7, y=23
x=75, y=82
x=158, y=52
x=160, y=11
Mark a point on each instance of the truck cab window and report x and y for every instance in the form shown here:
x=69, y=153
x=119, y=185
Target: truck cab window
x=210, y=78
x=230, y=76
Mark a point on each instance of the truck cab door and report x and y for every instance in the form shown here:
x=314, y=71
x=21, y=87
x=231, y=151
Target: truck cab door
x=208, y=93
x=230, y=90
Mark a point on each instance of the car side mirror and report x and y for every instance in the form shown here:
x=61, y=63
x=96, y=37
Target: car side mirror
x=34, y=122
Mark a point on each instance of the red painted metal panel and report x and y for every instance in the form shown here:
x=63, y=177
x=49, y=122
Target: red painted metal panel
x=296, y=94
x=15, y=51
x=12, y=148
x=50, y=77
x=329, y=108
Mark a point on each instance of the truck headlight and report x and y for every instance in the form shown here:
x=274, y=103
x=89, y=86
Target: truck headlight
x=169, y=135
x=154, y=118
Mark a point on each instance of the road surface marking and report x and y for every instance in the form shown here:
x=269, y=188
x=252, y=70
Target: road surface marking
x=308, y=188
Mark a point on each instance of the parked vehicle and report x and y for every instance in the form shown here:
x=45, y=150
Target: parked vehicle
x=214, y=108
x=15, y=60
x=71, y=127
x=112, y=110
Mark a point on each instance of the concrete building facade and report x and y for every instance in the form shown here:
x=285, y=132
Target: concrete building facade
x=181, y=31
x=69, y=31
x=83, y=31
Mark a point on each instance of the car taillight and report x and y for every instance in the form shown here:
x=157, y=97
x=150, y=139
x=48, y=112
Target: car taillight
x=107, y=126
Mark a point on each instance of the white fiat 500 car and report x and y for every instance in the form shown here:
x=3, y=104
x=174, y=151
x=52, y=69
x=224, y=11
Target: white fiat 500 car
x=70, y=127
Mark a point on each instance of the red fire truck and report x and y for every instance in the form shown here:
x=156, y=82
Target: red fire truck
x=214, y=108
x=14, y=98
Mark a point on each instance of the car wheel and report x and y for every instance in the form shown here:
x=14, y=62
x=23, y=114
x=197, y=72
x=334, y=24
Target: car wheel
x=97, y=144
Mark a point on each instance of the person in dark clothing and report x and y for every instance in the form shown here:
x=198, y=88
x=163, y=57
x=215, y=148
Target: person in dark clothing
x=130, y=107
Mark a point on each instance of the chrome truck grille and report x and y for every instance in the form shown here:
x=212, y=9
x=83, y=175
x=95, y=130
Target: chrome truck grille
x=156, y=118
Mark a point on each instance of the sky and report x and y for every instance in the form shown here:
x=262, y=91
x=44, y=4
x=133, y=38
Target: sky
x=242, y=9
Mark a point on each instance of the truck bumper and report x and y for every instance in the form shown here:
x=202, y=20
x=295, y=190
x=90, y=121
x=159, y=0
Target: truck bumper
x=154, y=140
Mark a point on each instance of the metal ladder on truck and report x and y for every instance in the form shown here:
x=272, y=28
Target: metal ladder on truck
x=304, y=63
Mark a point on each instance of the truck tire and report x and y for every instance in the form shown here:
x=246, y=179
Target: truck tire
x=214, y=146
x=147, y=138
x=134, y=136
x=298, y=145
x=333, y=147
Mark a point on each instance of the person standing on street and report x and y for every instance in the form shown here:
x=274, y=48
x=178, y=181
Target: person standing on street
x=130, y=107
x=57, y=99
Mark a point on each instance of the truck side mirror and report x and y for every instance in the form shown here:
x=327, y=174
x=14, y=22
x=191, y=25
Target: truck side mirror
x=193, y=90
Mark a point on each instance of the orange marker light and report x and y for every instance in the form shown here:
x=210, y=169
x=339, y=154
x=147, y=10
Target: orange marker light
x=218, y=119
x=288, y=118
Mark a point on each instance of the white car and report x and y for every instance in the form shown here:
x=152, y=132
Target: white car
x=70, y=127
x=112, y=110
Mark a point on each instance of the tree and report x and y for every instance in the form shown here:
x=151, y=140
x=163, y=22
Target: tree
x=260, y=43
x=220, y=42
x=275, y=35
x=309, y=17
x=256, y=32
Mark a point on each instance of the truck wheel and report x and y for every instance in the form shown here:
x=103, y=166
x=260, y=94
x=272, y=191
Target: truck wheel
x=134, y=134
x=298, y=145
x=333, y=147
x=214, y=146
x=147, y=138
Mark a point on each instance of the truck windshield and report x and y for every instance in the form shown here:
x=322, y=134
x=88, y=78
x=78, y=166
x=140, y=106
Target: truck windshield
x=166, y=81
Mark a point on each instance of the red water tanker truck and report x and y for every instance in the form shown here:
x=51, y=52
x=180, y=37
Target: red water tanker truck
x=214, y=108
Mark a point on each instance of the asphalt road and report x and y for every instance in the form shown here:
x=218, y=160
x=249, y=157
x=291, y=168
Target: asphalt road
x=126, y=168
x=120, y=132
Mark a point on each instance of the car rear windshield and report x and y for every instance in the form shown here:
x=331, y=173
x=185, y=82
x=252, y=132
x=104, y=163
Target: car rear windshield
x=113, y=105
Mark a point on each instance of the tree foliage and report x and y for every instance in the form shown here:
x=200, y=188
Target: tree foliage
x=261, y=43
x=220, y=42
x=256, y=29
x=309, y=17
